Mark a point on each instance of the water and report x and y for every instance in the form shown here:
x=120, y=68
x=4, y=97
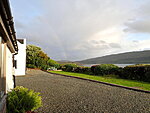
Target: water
x=119, y=65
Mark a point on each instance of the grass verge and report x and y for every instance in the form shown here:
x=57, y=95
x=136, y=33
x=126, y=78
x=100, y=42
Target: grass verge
x=122, y=82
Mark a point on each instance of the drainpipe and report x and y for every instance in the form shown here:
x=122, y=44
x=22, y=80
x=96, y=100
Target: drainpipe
x=14, y=78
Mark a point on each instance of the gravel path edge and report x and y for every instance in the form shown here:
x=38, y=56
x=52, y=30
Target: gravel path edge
x=125, y=87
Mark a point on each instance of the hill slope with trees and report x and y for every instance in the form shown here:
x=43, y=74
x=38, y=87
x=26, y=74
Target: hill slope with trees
x=122, y=58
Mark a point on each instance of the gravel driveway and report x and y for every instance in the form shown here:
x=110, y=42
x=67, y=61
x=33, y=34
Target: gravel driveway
x=69, y=95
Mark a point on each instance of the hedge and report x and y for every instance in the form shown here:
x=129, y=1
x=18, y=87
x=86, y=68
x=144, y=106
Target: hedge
x=69, y=67
x=104, y=69
x=137, y=72
x=85, y=70
x=134, y=72
x=93, y=68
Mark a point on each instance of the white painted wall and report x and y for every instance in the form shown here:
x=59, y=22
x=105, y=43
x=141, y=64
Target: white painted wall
x=9, y=70
x=21, y=58
x=21, y=64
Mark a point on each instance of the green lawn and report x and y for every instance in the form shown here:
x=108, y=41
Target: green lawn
x=122, y=82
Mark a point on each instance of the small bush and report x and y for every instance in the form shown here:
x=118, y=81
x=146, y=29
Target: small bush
x=21, y=100
x=69, y=67
x=105, y=69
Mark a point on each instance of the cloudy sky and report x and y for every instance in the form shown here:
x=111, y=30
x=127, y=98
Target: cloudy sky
x=81, y=29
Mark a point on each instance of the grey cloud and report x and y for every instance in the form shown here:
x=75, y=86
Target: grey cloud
x=135, y=41
x=88, y=50
x=101, y=41
x=98, y=42
x=139, y=26
x=114, y=45
x=19, y=25
x=95, y=42
x=141, y=23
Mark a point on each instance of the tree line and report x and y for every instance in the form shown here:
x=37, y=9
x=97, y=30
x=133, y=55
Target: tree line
x=36, y=58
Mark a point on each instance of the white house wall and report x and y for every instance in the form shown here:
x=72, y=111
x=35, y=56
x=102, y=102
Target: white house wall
x=9, y=70
x=21, y=59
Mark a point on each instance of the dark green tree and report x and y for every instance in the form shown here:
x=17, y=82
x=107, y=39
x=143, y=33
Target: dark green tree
x=36, y=58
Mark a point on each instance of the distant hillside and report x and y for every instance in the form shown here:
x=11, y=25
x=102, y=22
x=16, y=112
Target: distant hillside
x=123, y=58
x=67, y=62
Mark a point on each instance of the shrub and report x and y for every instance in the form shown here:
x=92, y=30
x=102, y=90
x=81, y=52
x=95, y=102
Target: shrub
x=53, y=63
x=105, y=69
x=93, y=68
x=21, y=100
x=61, y=66
x=147, y=76
x=44, y=67
x=69, y=67
x=137, y=72
x=119, y=72
x=78, y=70
x=85, y=70
x=31, y=66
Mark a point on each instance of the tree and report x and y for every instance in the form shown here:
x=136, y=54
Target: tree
x=32, y=53
x=36, y=58
x=53, y=63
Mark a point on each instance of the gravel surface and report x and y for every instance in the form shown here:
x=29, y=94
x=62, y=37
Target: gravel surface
x=70, y=95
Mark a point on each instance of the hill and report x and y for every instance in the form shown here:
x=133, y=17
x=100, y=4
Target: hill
x=68, y=62
x=122, y=58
